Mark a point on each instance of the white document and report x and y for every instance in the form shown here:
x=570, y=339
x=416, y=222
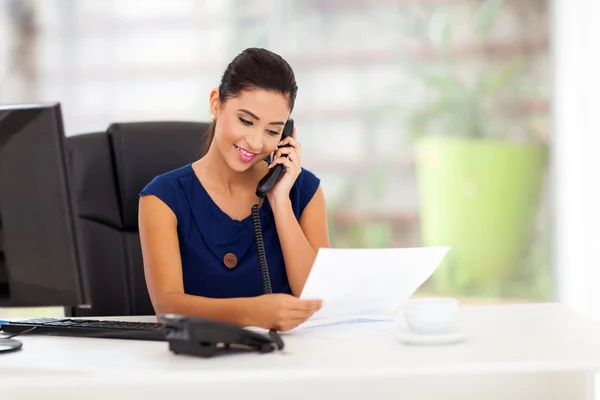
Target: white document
x=354, y=282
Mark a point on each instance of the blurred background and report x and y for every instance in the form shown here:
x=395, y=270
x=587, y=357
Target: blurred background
x=432, y=122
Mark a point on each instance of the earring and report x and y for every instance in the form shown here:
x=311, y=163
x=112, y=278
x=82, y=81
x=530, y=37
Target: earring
x=212, y=116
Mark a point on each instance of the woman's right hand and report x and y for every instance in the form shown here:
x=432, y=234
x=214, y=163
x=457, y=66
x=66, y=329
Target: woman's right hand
x=281, y=311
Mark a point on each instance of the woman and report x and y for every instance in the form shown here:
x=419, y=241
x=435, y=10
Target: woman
x=195, y=222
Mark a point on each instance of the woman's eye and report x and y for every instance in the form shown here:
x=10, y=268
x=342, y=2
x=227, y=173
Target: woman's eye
x=274, y=133
x=245, y=121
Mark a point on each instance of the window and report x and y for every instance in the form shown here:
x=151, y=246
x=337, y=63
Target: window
x=374, y=77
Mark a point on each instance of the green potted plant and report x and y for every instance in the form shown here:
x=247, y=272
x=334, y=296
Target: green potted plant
x=479, y=165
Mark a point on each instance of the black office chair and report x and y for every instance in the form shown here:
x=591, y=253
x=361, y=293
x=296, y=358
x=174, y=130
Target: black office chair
x=109, y=170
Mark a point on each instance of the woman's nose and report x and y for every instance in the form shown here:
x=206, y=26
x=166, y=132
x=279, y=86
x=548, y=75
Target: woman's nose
x=254, y=142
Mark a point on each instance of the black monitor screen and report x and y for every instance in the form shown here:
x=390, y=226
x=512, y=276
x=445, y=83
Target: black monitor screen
x=40, y=260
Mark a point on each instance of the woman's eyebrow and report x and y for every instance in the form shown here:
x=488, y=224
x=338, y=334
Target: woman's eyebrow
x=258, y=119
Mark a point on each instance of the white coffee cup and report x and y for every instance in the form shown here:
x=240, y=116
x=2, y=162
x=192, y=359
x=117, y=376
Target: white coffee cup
x=431, y=316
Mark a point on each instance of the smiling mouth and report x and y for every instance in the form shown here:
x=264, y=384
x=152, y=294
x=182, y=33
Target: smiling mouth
x=245, y=155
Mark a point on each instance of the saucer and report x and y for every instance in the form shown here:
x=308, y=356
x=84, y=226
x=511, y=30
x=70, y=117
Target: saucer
x=432, y=340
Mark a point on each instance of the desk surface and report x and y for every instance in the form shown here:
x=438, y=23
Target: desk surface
x=514, y=338
x=549, y=344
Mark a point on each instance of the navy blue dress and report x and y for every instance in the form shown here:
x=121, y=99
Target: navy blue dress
x=218, y=254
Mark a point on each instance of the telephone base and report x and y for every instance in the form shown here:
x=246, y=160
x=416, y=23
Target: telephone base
x=210, y=349
x=206, y=338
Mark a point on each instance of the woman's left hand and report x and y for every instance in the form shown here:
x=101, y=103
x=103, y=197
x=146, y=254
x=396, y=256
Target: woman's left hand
x=281, y=190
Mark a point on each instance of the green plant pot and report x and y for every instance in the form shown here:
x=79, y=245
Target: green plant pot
x=479, y=197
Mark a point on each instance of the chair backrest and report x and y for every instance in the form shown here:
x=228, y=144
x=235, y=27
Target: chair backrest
x=109, y=170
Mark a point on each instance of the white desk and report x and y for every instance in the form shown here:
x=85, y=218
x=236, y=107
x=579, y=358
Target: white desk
x=522, y=351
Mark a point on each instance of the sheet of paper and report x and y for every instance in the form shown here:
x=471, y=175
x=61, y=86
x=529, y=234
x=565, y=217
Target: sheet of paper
x=355, y=282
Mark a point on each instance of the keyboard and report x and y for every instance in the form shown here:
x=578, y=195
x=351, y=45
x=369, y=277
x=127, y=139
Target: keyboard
x=87, y=328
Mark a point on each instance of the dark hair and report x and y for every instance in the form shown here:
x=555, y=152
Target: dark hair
x=255, y=68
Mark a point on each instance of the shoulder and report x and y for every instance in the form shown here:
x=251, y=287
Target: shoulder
x=167, y=179
x=304, y=188
x=166, y=186
x=307, y=180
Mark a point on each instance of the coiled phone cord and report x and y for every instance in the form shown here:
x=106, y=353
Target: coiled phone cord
x=264, y=269
x=260, y=248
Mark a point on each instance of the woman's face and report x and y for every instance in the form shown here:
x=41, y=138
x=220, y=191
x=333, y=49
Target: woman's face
x=249, y=126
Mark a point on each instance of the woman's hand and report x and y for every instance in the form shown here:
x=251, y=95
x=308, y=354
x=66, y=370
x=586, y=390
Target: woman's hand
x=281, y=190
x=281, y=311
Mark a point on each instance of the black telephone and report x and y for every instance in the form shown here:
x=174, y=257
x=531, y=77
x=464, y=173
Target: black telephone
x=275, y=173
x=206, y=338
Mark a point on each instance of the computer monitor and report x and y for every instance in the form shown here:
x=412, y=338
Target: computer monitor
x=40, y=254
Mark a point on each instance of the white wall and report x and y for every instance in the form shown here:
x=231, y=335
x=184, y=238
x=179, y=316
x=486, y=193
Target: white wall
x=577, y=153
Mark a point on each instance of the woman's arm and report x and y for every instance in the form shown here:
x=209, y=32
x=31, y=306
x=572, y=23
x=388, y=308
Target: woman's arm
x=300, y=240
x=162, y=268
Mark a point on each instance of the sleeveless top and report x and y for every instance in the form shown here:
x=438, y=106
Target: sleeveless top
x=218, y=253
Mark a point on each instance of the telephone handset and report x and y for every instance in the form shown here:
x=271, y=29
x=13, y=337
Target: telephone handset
x=206, y=338
x=274, y=175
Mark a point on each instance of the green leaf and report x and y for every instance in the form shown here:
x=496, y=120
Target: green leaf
x=452, y=107
x=414, y=26
x=498, y=79
x=379, y=178
x=451, y=113
x=440, y=31
x=377, y=235
x=486, y=15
